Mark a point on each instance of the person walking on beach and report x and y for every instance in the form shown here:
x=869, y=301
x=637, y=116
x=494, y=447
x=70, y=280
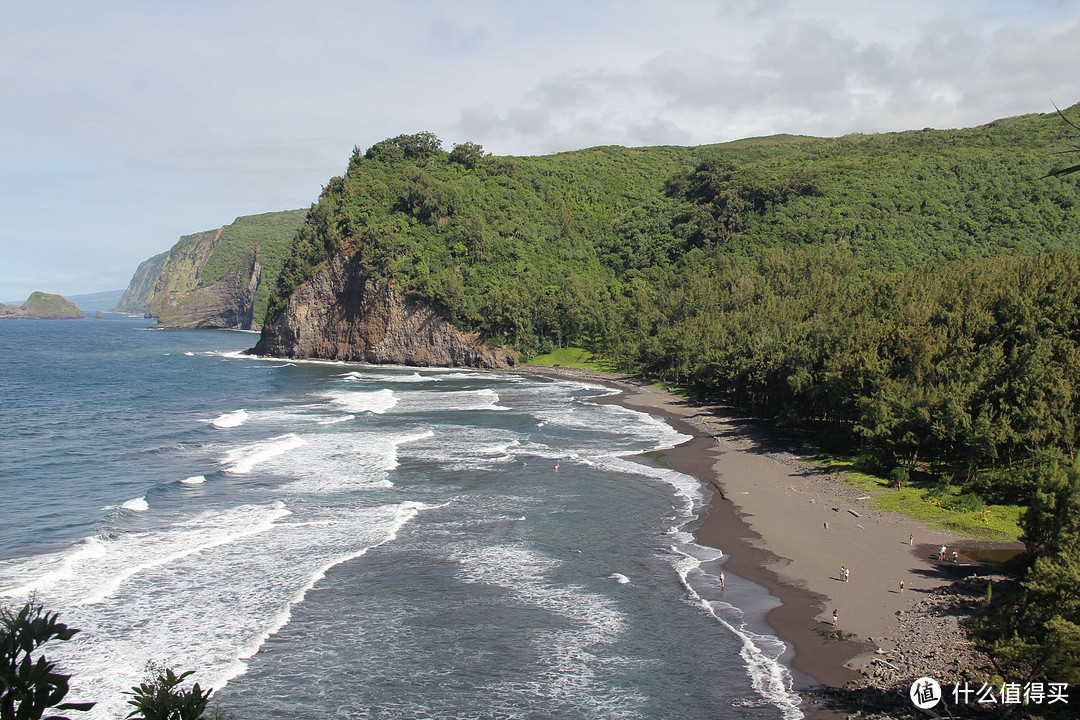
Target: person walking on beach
x=843, y=574
x=835, y=617
x=901, y=587
x=941, y=553
x=911, y=540
x=723, y=581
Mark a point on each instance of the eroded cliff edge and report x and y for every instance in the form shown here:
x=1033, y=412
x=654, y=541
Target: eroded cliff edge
x=344, y=314
x=227, y=303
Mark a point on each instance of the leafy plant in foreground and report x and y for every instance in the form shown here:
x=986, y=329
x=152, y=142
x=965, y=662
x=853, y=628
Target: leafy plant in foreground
x=160, y=697
x=29, y=686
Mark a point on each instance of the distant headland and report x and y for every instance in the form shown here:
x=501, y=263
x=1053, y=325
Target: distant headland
x=42, y=306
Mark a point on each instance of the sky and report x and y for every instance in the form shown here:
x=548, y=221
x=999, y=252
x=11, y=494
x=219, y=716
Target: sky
x=126, y=124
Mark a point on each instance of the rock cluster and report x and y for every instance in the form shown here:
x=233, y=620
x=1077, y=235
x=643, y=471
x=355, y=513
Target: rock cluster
x=930, y=641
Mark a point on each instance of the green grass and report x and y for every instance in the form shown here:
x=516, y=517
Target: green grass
x=571, y=357
x=680, y=391
x=991, y=522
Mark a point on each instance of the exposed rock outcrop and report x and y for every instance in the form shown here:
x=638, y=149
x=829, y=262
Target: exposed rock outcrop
x=343, y=314
x=228, y=303
x=43, y=306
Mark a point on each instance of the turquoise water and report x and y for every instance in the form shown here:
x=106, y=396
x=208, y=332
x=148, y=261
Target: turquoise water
x=322, y=540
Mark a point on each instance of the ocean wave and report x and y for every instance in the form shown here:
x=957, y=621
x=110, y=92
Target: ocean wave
x=770, y=679
x=243, y=459
x=414, y=377
x=232, y=419
x=355, y=402
x=450, y=400
x=194, y=480
x=138, y=504
x=402, y=514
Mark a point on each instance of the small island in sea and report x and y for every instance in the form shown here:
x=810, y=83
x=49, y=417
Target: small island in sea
x=42, y=306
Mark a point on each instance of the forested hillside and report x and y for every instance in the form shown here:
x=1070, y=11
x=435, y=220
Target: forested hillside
x=912, y=293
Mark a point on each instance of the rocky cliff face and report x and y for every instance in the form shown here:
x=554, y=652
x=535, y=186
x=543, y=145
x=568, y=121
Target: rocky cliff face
x=138, y=291
x=180, y=271
x=228, y=303
x=342, y=314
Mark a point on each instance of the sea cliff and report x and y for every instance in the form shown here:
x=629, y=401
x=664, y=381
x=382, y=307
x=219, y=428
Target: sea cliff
x=342, y=313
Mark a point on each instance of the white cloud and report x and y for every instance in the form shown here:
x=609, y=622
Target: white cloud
x=126, y=124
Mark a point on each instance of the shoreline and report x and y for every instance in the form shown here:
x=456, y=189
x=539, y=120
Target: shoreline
x=789, y=527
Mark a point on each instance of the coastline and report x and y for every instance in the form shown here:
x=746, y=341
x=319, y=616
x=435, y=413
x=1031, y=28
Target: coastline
x=789, y=527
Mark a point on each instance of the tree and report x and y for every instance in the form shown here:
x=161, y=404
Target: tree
x=1033, y=632
x=1071, y=168
x=407, y=147
x=29, y=686
x=160, y=697
x=468, y=154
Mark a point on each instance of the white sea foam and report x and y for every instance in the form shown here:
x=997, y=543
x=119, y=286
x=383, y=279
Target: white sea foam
x=243, y=459
x=194, y=480
x=565, y=654
x=768, y=676
x=402, y=514
x=196, y=536
x=336, y=461
x=442, y=400
x=232, y=419
x=336, y=420
x=619, y=578
x=358, y=401
x=205, y=592
x=383, y=377
x=66, y=565
x=190, y=354
x=138, y=504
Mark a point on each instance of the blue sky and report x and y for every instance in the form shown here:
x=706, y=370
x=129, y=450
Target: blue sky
x=126, y=124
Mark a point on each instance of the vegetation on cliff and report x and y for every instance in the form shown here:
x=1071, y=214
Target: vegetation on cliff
x=200, y=260
x=912, y=295
x=137, y=294
x=43, y=306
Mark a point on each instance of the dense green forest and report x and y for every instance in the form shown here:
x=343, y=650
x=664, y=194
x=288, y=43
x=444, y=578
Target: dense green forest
x=911, y=295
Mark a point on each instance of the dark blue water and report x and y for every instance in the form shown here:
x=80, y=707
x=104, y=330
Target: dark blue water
x=321, y=540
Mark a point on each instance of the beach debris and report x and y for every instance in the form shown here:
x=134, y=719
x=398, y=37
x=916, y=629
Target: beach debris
x=865, y=497
x=854, y=513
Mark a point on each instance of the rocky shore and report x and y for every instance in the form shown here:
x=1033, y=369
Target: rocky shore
x=929, y=640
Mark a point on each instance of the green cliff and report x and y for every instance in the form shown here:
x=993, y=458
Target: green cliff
x=538, y=252
x=199, y=273
x=911, y=295
x=137, y=294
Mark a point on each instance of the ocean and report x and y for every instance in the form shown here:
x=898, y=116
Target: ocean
x=327, y=540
